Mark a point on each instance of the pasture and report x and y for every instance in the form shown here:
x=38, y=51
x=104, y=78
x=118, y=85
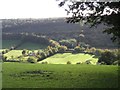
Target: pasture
x=8, y=43
x=73, y=58
x=24, y=75
x=31, y=46
x=14, y=54
x=57, y=58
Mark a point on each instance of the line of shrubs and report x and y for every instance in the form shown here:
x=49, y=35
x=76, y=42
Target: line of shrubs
x=5, y=51
x=86, y=62
x=105, y=56
x=49, y=51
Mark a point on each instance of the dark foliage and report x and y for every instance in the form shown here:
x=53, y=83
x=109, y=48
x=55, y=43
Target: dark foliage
x=32, y=60
x=70, y=43
x=102, y=12
x=57, y=29
x=107, y=57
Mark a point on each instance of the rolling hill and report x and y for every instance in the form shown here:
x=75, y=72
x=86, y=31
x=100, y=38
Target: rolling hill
x=58, y=29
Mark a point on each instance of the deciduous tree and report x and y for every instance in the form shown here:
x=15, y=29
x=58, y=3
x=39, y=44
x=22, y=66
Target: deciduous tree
x=95, y=13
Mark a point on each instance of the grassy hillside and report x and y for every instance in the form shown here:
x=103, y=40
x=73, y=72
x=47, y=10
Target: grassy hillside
x=57, y=58
x=9, y=43
x=18, y=75
x=37, y=25
x=14, y=53
x=58, y=29
x=31, y=46
x=73, y=58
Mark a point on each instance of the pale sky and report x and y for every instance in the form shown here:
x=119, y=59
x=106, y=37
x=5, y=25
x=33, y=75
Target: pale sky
x=30, y=9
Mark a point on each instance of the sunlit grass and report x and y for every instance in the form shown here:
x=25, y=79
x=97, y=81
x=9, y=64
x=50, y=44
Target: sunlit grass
x=73, y=58
x=60, y=76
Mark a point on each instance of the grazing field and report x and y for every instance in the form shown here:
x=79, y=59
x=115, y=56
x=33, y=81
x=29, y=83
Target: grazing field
x=73, y=58
x=13, y=54
x=24, y=75
x=31, y=46
x=9, y=43
x=27, y=45
x=57, y=58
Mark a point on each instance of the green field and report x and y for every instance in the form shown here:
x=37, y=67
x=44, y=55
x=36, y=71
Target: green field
x=57, y=58
x=24, y=75
x=32, y=46
x=73, y=58
x=15, y=54
x=8, y=43
x=57, y=73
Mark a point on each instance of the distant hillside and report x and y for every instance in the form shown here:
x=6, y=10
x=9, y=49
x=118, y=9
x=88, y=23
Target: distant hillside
x=38, y=25
x=58, y=29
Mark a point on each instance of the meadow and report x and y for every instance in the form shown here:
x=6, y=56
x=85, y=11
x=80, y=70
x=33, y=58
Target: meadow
x=56, y=73
x=9, y=43
x=14, y=54
x=24, y=75
x=73, y=58
x=57, y=58
x=31, y=46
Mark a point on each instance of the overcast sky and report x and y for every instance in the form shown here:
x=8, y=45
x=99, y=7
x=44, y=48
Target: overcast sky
x=30, y=9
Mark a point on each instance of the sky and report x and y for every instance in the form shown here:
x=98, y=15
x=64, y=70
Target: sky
x=30, y=9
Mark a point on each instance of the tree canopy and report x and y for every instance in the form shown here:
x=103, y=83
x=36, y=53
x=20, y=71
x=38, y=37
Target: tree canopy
x=94, y=13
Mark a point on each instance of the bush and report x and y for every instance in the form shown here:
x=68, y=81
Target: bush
x=62, y=49
x=3, y=52
x=50, y=52
x=108, y=57
x=116, y=62
x=102, y=63
x=4, y=58
x=32, y=60
x=44, y=62
x=55, y=50
x=92, y=50
x=54, y=43
x=88, y=62
x=79, y=49
x=70, y=43
x=43, y=55
x=79, y=63
x=68, y=62
x=7, y=50
x=98, y=52
x=24, y=52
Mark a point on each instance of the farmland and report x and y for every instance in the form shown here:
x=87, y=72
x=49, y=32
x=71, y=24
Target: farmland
x=73, y=58
x=25, y=45
x=24, y=75
x=48, y=57
x=31, y=46
x=9, y=43
x=57, y=58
